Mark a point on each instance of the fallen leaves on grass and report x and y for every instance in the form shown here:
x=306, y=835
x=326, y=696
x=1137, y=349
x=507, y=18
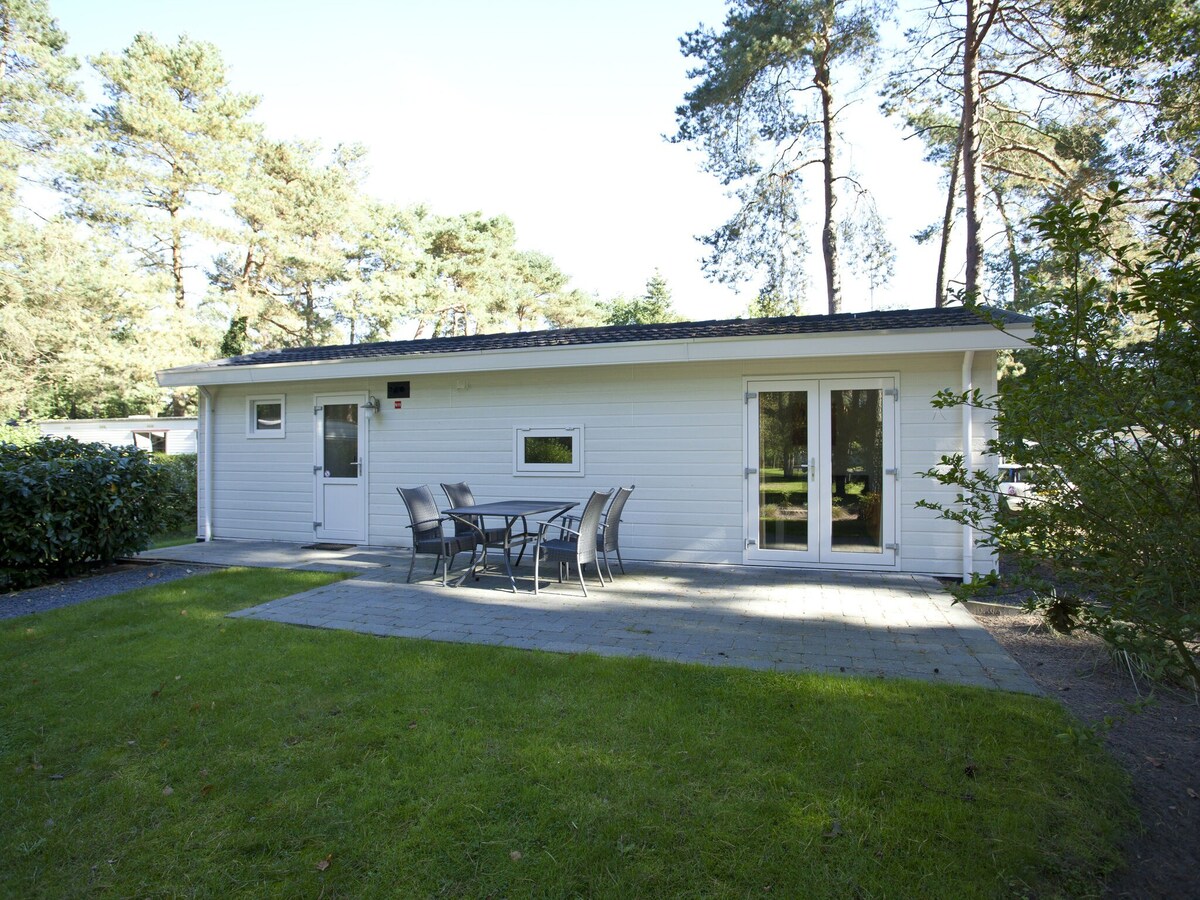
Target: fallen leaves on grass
x=325, y=863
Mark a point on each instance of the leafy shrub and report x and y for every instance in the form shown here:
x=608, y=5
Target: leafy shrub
x=178, y=498
x=1108, y=416
x=66, y=504
x=14, y=431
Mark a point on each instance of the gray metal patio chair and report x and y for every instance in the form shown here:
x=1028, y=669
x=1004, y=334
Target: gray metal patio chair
x=609, y=538
x=572, y=546
x=460, y=495
x=427, y=534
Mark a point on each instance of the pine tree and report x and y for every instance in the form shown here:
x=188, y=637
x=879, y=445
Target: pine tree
x=750, y=115
x=170, y=143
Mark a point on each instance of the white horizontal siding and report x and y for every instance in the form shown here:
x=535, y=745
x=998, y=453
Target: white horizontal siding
x=676, y=430
x=180, y=432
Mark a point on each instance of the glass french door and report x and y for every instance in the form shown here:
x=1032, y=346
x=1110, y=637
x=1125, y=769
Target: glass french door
x=341, y=482
x=820, y=479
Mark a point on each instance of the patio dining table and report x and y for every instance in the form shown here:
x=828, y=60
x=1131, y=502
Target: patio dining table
x=510, y=511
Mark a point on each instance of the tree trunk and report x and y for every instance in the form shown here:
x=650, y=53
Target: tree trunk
x=829, y=247
x=6, y=30
x=973, y=34
x=1010, y=238
x=939, y=298
x=309, y=315
x=177, y=258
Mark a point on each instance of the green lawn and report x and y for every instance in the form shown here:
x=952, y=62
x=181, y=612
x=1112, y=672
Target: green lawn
x=152, y=747
x=172, y=539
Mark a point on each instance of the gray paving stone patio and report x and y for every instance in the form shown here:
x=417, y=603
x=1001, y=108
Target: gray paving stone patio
x=875, y=625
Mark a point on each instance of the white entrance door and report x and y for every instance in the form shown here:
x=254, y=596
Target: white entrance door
x=340, y=468
x=821, y=473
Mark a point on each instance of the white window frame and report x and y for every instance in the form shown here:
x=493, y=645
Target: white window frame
x=573, y=470
x=252, y=429
x=150, y=435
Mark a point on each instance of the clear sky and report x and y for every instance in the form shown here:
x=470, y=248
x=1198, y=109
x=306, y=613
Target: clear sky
x=551, y=112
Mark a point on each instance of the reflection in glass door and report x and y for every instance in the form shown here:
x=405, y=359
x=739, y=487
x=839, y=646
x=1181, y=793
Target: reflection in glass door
x=783, y=470
x=340, y=440
x=856, y=469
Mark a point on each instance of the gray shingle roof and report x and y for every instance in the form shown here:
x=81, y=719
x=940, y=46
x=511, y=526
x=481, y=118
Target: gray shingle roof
x=884, y=320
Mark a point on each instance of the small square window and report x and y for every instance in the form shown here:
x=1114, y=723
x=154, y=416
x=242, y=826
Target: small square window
x=265, y=417
x=548, y=451
x=154, y=441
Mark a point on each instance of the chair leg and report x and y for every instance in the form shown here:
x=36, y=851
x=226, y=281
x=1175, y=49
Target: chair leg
x=620, y=561
x=607, y=567
x=598, y=575
x=579, y=569
x=447, y=561
x=537, y=558
x=412, y=561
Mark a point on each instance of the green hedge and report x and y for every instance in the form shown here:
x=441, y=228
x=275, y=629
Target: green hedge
x=65, y=505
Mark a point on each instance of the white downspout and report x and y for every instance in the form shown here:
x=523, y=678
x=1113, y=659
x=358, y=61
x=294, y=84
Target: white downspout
x=206, y=470
x=968, y=443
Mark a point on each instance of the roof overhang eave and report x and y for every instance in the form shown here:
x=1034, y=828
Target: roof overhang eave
x=831, y=344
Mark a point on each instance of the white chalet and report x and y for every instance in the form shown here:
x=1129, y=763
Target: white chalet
x=792, y=441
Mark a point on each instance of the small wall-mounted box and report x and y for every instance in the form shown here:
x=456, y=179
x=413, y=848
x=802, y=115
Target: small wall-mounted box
x=397, y=390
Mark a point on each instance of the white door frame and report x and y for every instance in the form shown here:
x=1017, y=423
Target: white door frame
x=341, y=523
x=886, y=558
x=820, y=552
x=752, y=552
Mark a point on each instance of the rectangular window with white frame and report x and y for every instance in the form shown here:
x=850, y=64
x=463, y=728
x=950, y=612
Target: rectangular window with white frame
x=548, y=450
x=265, y=417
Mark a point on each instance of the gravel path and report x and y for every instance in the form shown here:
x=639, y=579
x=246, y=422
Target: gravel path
x=111, y=580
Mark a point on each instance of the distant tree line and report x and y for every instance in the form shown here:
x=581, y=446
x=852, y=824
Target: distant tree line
x=164, y=226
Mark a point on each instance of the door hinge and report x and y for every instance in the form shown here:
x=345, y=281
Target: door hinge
x=316, y=470
x=750, y=395
x=317, y=410
x=894, y=393
x=895, y=547
x=750, y=472
x=895, y=473
x=750, y=542
x=317, y=525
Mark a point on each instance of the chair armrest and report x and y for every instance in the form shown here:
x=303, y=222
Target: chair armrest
x=426, y=522
x=561, y=527
x=542, y=526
